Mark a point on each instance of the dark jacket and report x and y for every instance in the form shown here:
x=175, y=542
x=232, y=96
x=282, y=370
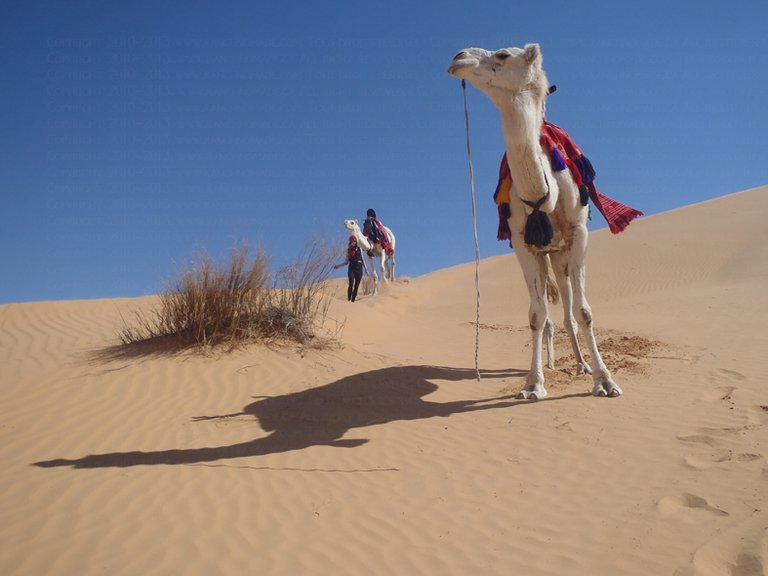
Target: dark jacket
x=355, y=258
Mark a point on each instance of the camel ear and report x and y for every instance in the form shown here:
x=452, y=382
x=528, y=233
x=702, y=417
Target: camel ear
x=532, y=54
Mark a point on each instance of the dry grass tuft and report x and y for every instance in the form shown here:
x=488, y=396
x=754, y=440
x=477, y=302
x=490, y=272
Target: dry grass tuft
x=229, y=305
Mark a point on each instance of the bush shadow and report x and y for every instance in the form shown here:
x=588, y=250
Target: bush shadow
x=155, y=347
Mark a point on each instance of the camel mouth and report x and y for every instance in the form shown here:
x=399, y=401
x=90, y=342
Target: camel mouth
x=458, y=65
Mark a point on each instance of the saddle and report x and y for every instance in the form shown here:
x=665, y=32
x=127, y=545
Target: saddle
x=564, y=153
x=377, y=235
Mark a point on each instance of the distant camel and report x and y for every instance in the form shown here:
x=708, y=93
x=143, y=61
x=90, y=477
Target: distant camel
x=386, y=261
x=540, y=198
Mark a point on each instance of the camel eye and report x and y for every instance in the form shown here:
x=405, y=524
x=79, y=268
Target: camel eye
x=501, y=56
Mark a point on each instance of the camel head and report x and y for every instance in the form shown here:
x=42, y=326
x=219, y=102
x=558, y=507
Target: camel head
x=354, y=227
x=351, y=225
x=505, y=71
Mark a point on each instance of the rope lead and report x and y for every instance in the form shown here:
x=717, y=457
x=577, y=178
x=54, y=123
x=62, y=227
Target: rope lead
x=474, y=228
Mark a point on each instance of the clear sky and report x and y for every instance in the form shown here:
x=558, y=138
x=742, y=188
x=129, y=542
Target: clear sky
x=134, y=135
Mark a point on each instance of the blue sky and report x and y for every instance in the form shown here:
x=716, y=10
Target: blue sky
x=134, y=135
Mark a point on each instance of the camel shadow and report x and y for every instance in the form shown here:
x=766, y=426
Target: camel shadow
x=322, y=416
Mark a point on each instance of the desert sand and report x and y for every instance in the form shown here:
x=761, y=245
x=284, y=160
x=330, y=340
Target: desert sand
x=384, y=455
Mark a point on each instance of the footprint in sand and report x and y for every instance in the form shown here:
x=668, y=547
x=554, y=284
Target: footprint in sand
x=757, y=415
x=718, y=393
x=731, y=374
x=685, y=504
x=747, y=564
x=719, y=459
x=713, y=392
x=739, y=549
x=710, y=436
x=721, y=442
x=697, y=439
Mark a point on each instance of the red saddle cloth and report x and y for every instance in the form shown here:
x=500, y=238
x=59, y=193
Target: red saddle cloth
x=383, y=237
x=564, y=153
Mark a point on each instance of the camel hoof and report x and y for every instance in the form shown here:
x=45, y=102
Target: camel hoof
x=583, y=369
x=532, y=394
x=607, y=390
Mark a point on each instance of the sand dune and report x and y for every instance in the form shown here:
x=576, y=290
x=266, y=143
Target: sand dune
x=384, y=454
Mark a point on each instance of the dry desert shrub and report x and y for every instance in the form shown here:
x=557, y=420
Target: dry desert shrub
x=213, y=305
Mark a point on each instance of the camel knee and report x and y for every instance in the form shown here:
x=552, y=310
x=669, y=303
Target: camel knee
x=537, y=319
x=584, y=316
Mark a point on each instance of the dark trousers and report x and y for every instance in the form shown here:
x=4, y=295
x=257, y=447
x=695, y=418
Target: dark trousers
x=354, y=275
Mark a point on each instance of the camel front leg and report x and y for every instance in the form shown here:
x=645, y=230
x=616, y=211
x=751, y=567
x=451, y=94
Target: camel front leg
x=603, y=381
x=535, y=273
x=372, y=268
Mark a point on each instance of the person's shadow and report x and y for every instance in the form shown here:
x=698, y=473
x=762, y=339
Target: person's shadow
x=322, y=415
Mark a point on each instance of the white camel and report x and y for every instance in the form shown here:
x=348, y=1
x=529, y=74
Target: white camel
x=516, y=84
x=386, y=262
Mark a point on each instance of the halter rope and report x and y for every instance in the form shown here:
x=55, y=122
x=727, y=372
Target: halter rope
x=474, y=228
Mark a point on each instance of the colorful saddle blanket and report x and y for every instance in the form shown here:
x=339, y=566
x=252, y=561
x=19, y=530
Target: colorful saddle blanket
x=375, y=232
x=564, y=153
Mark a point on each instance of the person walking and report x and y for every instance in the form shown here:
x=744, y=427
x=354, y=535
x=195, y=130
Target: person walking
x=356, y=265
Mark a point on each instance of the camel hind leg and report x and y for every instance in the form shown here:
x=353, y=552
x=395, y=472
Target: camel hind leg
x=383, y=265
x=560, y=268
x=603, y=381
x=553, y=295
x=391, y=257
x=549, y=334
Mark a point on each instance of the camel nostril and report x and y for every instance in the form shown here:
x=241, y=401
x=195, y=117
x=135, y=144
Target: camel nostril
x=460, y=55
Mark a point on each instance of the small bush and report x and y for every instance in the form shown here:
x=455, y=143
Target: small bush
x=211, y=305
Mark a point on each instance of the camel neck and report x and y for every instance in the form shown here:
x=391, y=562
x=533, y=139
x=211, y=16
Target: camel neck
x=521, y=120
x=362, y=241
